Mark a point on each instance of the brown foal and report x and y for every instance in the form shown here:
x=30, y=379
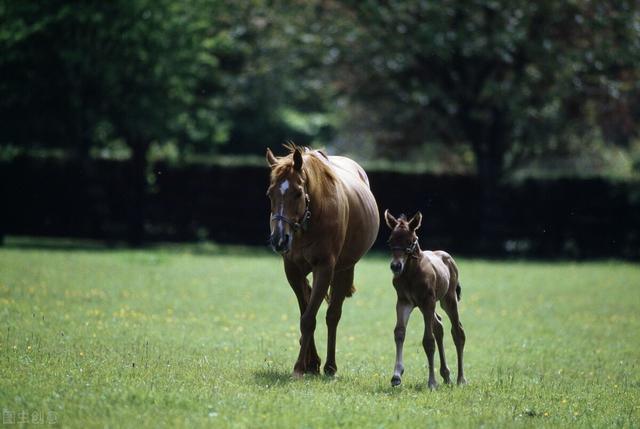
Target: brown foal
x=421, y=278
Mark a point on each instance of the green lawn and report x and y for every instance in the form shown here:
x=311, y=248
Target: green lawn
x=207, y=336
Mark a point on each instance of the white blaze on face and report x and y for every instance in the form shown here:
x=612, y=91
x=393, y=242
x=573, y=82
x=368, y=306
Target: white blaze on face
x=284, y=186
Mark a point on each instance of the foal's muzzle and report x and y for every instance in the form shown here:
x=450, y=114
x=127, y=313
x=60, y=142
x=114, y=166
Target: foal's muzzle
x=396, y=267
x=280, y=243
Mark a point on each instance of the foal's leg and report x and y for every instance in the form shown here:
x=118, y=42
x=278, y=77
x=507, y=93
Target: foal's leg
x=403, y=311
x=300, y=285
x=322, y=275
x=428, y=340
x=438, y=331
x=450, y=305
x=340, y=286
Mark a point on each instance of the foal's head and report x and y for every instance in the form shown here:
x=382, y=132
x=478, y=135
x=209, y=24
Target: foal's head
x=403, y=240
x=289, y=199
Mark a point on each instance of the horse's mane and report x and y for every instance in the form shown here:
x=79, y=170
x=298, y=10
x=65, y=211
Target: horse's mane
x=319, y=175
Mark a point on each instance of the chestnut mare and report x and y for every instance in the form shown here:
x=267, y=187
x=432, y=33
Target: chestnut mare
x=421, y=278
x=323, y=220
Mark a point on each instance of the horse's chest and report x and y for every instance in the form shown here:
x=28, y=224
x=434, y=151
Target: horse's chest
x=411, y=292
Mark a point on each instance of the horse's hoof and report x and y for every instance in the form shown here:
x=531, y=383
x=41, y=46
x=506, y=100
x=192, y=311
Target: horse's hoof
x=432, y=385
x=297, y=375
x=313, y=369
x=395, y=381
x=330, y=370
x=462, y=381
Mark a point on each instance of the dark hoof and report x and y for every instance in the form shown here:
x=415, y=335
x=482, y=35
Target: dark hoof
x=446, y=376
x=432, y=385
x=395, y=381
x=313, y=368
x=330, y=370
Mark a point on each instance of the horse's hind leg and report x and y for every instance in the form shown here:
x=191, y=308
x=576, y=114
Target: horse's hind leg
x=300, y=285
x=340, y=288
x=450, y=304
x=438, y=332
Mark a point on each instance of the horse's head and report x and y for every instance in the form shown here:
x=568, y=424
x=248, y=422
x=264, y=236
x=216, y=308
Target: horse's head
x=403, y=240
x=289, y=199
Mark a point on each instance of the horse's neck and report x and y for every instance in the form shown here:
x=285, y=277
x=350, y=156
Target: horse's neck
x=322, y=195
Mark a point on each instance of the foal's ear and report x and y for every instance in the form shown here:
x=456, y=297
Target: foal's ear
x=415, y=221
x=271, y=160
x=391, y=221
x=297, y=159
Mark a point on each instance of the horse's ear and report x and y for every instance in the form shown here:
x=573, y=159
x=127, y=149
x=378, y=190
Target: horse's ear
x=271, y=160
x=391, y=221
x=297, y=159
x=415, y=221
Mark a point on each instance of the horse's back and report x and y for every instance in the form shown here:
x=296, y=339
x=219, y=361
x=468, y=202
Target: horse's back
x=445, y=268
x=364, y=220
x=347, y=164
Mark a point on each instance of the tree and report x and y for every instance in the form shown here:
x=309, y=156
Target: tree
x=135, y=70
x=509, y=78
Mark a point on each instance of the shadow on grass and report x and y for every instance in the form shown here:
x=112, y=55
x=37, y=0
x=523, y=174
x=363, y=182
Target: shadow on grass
x=278, y=377
x=417, y=387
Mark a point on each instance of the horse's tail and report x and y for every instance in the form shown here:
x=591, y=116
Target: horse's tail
x=459, y=292
x=349, y=293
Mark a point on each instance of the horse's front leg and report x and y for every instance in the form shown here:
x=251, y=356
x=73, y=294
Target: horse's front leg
x=403, y=311
x=297, y=279
x=322, y=276
x=428, y=341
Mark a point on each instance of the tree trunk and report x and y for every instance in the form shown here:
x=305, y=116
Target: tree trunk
x=138, y=200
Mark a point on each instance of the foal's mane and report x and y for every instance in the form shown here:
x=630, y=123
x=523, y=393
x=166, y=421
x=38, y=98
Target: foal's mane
x=320, y=178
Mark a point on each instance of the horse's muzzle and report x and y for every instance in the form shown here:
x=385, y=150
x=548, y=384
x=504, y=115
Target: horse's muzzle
x=280, y=243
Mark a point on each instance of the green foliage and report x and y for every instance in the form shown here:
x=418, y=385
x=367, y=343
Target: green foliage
x=510, y=78
x=201, y=336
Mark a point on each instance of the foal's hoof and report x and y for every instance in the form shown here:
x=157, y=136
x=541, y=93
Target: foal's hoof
x=396, y=380
x=432, y=385
x=462, y=381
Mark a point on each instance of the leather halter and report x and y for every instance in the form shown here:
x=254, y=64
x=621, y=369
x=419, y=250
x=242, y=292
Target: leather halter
x=304, y=220
x=407, y=250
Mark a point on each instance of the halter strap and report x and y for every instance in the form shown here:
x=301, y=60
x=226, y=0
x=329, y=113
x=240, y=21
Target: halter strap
x=408, y=250
x=304, y=220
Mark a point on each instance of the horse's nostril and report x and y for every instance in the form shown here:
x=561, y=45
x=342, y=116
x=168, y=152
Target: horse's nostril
x=395, y=266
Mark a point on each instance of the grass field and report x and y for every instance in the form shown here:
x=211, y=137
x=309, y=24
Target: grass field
x=207, y=336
